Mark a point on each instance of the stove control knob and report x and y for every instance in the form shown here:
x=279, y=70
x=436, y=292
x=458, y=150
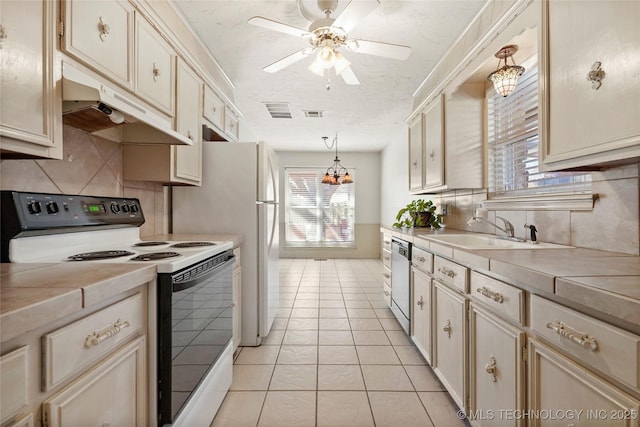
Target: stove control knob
x=52, y=208
x=34, y=207
x=134, y=208
x=125, y=208
x=115, y=208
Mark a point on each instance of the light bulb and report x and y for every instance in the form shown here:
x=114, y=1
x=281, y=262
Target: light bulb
x=327, y=56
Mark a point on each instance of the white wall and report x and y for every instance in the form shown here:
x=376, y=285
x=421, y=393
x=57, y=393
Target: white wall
x=367, y=210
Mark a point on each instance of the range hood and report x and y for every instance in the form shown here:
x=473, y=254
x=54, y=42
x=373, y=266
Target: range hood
x=93, y=106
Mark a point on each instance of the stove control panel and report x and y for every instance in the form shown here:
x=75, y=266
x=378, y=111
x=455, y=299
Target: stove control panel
x=39, y=211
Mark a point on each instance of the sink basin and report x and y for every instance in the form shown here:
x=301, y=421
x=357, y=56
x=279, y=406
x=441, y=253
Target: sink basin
x=483, y=241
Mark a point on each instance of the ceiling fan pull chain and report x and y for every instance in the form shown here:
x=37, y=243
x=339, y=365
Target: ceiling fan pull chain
x=329, y=81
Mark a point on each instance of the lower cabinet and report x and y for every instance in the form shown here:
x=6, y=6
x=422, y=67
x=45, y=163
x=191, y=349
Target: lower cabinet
x=496, y=369
x=421, y=312
x=112, y=393
x=237, y=297
x=560, y=386
x=450, y=342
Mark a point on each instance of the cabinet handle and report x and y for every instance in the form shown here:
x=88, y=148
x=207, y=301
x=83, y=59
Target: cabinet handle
x=386, y=293
x=447, y=328
x=387, y=275
x=386, y=257
x=103, y=29
x=447, y=272
x=596, y=75
x=96, y=337
x=387, y=242
x=486, y=292
x=581, y=338
x=432, y=154
x=421, y=259
x=189, y=135
x=155, y=71
x=492, y=369
x=420, y=303
x=415, y=163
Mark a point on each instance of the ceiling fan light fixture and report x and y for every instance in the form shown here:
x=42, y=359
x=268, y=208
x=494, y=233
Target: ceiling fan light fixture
x=317, y=67
x=327, y=56
x=341, y=63
x=505, y=79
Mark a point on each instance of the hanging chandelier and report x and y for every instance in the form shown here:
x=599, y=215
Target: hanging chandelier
x=336, y=174
x=505, y=79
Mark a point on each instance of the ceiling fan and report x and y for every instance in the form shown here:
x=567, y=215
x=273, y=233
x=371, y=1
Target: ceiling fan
x=327, y=35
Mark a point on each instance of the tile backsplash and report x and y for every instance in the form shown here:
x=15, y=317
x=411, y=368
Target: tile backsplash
x=612, y=225
x=92, y=166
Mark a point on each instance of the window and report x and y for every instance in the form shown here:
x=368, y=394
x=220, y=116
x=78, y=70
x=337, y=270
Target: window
x=318, y=214
x=513, y=146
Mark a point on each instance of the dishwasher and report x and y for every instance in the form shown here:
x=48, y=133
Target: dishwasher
x=400, y=278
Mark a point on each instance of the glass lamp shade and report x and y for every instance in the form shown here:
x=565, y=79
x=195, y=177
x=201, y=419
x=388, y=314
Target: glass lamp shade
x=316, y=67
x=346, y=179
x=341, y=63
x=505, y=79
x=327, y=178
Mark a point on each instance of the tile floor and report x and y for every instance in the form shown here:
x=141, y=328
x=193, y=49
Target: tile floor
x=335, y=357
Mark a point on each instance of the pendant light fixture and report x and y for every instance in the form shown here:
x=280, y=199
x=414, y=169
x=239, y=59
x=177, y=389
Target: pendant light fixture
x=336, y=174
x=505, y=79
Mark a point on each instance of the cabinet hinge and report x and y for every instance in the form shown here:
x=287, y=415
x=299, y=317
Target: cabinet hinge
x=524, y=356
x=60, y=28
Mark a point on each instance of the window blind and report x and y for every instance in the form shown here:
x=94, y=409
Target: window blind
x=513, y=141
x=318, y=214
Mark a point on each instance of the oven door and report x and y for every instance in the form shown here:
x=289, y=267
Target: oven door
x=195, y=308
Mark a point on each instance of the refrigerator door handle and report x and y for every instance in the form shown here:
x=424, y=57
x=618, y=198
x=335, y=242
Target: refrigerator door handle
x=266, y=202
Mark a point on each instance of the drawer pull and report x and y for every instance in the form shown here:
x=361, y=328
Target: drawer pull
x=421, y=259
x=447, y=328
x=492, y=369
x=103, y=29
x=155, y=71
x=486, y=292
x=387, y=275
x=387, y=258
x=386, y=293
x=420, y=303
x=580, y=338
x=97, y=337
x=447, y=272
x=387, y=242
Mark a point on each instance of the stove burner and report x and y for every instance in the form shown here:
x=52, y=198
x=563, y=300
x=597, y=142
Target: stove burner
x=92, y=256
x=144, y=244
x=193, y=244
x=154, y=256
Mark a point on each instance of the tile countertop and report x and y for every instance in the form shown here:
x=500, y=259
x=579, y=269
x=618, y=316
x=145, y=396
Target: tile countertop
x=607, y=282
x=32, y=295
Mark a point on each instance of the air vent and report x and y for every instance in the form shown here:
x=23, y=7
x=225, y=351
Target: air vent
x=314, y=114
x=279, y=110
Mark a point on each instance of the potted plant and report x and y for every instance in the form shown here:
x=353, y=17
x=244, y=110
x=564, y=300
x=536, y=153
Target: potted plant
x=418, y=213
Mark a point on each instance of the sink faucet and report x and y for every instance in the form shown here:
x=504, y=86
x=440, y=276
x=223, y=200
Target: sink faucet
x=508, y=227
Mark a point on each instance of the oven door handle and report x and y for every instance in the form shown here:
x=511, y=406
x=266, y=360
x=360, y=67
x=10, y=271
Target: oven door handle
x=190, y=283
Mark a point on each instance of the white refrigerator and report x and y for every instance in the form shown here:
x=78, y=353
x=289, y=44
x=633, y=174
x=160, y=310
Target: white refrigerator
x=239, y=195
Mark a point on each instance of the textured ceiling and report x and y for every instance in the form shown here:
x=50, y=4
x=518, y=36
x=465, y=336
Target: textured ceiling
x=366, y=117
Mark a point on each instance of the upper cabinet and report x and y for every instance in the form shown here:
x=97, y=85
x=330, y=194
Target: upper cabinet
x=100, y=35
x=446, y=142
x=30, y=118
x=592, y=82
x=155, y=67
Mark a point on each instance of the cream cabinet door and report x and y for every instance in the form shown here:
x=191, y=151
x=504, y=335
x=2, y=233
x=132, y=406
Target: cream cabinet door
x=496, y=369
x=421, y=312
x=450, y=342
x=231, y=126
x=559, y=386
x=434, y=144
x=416, y=131
x=155, y=65
x=188, y=159
x=30, y=116
x=592, y=122
x=113, y=393
x=100, y=34
x=213, y=108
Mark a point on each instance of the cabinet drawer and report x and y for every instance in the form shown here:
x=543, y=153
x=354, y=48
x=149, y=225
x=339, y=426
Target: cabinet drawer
x=422, y=260
x=386, y=241
x=608, y=349
x=386, y=258
x=213, y=108
x=13, y=387
x=501, y=297
x=386, y=290
x=69, y=349
x=451, y=274
x=386, y=276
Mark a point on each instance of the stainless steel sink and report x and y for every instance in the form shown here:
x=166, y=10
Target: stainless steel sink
x=485, y=241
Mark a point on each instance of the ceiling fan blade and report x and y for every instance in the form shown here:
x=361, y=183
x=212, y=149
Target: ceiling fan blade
x=354, y=13
x=349, y=76
x=288, y=60
x=269, y=24
x=388, y=50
